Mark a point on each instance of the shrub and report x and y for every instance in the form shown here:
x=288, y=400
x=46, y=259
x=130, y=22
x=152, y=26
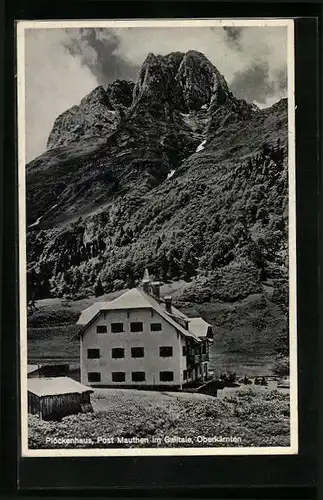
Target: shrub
x=281, y=366
x=281, y=294
x=237, y=280
x=198, y=291
x=118, y=285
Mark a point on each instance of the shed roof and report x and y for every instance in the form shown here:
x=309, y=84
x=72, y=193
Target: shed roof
x=55, y=386
x=32, y=368
x=134, y=299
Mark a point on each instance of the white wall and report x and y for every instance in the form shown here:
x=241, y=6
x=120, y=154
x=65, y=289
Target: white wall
x=151, y=363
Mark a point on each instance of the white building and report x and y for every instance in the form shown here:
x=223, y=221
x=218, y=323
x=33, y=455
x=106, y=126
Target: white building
x=141, y=340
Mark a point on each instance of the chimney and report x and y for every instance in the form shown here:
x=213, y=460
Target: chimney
x=168, y=303
x=145, y=281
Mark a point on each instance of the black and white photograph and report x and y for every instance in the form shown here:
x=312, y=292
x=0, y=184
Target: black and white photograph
x=157, y=248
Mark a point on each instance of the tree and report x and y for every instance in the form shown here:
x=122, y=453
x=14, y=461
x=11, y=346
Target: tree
x=282, y=343
x=32, y=284
x=98, y=289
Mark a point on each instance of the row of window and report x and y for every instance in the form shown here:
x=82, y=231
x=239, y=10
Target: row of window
x=136, y=352
x=135, y=327
x=135, y=376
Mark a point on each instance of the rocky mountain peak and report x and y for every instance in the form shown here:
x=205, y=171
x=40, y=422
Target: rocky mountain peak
x=187, y=81
x=177, y=82
x=201, y=82
x=93, y=117
x=97, y=115
x=152, y=79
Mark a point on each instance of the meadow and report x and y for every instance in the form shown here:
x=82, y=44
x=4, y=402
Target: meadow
x=248, y=418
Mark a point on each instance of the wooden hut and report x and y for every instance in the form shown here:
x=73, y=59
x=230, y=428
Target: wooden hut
x=57, y=397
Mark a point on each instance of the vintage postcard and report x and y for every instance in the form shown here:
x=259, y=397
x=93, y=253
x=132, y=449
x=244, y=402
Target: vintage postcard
x=157, y=237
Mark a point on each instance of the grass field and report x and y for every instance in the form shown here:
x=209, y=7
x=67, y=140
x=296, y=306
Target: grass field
x=55, y=344
x=252, y=417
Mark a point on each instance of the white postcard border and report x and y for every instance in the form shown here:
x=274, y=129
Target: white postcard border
x=21, y=26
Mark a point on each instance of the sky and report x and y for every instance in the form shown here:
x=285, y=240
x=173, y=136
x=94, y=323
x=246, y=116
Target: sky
x=63, y=65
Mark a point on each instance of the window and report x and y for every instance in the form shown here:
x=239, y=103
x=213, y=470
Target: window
x=185, y=374
x=155, y=327
x=101, y=329
x=116, y=327
x=93, y=353
x=94, y=377
x=118, y=352
x=138, y=376
x=136, y=326
x=137, y=352
x=166, y=376
x=184, y=350
x=165, y=352
x=204, y=350
x=118, y=376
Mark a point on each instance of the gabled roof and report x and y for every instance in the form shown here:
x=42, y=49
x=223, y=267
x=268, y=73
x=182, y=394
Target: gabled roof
x=89, y=313
x=198, y=326
x=55, y=385
x=133, y=299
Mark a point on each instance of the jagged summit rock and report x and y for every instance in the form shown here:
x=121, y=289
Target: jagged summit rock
x=201, y=81
x=97, y=115
x=120, y=93
x=187, y=81
x=157, y=81
x=167, y=86
x=93, y=117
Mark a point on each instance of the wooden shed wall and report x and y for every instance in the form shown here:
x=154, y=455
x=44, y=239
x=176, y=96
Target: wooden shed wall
x=55, y=407
x=33, y=403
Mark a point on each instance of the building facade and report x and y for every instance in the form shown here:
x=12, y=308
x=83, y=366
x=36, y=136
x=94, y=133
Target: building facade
x=141, y=340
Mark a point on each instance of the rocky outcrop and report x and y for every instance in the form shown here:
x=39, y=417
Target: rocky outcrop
x=97, y=115
x=201, y=82
x=94, y=117
x=120, y=93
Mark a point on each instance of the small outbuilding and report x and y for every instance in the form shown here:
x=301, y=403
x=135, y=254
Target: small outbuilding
x=57, y=397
